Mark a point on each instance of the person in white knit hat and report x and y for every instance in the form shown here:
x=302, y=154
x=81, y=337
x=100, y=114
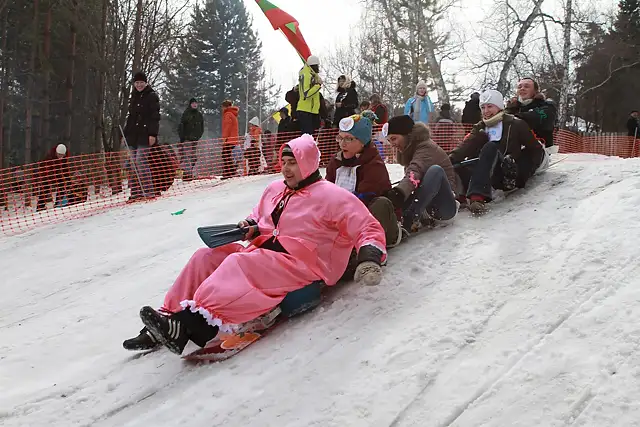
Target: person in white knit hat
x=508, y=153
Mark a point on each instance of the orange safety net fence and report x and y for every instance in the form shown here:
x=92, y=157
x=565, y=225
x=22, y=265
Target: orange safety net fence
x=78, y=186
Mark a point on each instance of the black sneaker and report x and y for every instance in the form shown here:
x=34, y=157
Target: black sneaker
x=168, y=330
x=144, y=341
x=509, y=173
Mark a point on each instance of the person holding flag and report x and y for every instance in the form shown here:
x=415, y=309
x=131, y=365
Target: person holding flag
x=309, y=85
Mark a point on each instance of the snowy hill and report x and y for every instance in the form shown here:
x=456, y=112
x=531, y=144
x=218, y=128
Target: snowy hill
x=529, y=316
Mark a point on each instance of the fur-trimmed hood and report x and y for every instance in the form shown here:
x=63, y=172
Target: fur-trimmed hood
x=420, y=133
x=418, y=156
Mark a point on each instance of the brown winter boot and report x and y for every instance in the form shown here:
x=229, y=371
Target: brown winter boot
x=382, y=209
x=478, y=206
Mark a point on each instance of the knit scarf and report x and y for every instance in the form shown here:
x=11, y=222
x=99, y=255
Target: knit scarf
x=493, y=127
x=494, y=120
x=525, y=101
x=417, y=108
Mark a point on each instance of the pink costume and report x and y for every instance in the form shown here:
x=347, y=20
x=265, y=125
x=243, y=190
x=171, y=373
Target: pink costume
x=318, y=228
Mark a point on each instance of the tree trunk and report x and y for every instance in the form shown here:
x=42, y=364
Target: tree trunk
x=515, y=50
x=46, y=99
x=137, y=39
x=566, y=63
x=99, y=119
x=70, y=82
x=4, y=79
x=30, y=84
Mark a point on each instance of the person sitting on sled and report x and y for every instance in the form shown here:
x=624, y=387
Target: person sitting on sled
x=425, y=194
x=359, y=169
x=498, y=142
x=306, y=228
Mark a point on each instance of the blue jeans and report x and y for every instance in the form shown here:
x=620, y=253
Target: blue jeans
x=433, y=195
x=141, y=173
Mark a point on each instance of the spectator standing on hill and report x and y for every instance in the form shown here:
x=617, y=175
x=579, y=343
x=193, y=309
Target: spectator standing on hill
x=190, y=131
x=471, y=113
x=229, y=137
x=141, y=132
x=419, y=107
x=309, y=85
x=633, y=124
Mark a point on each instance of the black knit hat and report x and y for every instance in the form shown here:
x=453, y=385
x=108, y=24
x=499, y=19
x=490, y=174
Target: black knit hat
x=287, y=151
x=400, y=125
x=192, y=100
x=140, y=77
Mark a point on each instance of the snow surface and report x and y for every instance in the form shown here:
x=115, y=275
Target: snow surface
x=529, y=316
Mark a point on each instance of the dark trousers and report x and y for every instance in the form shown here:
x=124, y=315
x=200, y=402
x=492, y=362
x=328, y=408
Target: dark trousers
x=187, y=152
x=489, y=173
x=309, y=123
x=227, y=161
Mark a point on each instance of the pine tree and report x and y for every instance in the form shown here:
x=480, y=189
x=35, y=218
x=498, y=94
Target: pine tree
x=627, y=25
x=219, y=51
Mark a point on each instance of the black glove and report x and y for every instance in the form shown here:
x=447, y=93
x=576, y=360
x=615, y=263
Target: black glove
x=396, y=197
x=253, y=230
x=369, y=253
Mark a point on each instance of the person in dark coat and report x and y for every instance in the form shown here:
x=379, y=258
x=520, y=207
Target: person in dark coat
x=471, y=113
x=633, y=124
x=141, y=133
x=292, y=97
x=346, y=99
x=530, y=105
x=190, y=131
x=508, y=152
x=284, y=125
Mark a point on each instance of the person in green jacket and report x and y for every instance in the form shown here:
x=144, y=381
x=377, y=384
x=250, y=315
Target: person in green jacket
x=309, y=84
x=190, y=131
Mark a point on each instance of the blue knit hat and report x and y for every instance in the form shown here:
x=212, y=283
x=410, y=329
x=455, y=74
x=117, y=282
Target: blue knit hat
x=359, y=125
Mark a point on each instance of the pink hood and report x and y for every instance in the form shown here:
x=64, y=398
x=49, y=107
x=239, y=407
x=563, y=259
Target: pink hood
x=306, y=152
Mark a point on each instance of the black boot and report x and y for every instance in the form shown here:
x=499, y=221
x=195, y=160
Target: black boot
x=144, y=341
x=176, y=331
x=199, y=331
x=170, y=331
x=509, y=173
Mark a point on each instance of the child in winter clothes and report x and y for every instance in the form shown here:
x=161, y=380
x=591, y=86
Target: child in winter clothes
x=425, y=193
x=252, y=153
x=497, y=140
x=359, y=169
x=306, y=228
x=419, y=107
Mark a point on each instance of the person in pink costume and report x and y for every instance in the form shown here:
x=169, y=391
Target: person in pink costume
x=302, y=230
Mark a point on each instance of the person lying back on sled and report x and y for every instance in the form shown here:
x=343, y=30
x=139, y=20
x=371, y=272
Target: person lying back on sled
x=498, y=142
x=359, y=169
x=425, y=193
x=531, y=106
x=306, y=229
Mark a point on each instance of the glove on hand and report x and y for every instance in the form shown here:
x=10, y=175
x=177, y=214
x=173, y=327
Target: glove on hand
x=369, y=271
x=396, y=196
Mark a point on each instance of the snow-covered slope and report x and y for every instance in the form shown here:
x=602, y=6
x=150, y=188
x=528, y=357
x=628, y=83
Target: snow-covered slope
x=529, y=316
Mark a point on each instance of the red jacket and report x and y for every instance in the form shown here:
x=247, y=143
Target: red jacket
x=230, y=125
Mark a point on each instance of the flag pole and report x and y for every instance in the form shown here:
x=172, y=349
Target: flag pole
x=246, y=124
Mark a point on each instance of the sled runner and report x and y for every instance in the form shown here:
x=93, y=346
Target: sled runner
x=227, y=345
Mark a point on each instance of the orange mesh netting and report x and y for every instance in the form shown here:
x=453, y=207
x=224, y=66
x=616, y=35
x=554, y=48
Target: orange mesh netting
x=78, y=186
